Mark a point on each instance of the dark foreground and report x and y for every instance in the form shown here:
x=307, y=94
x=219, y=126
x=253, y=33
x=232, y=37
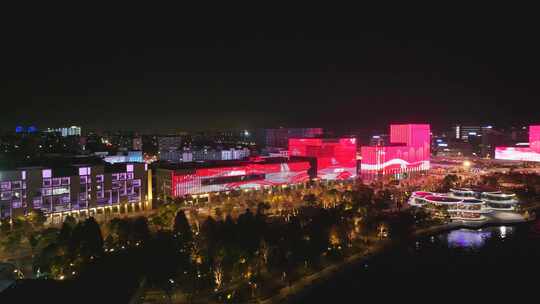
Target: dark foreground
x=494, y=264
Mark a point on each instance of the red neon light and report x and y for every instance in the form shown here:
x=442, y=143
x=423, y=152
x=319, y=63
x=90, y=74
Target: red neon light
x=532, y=153
x=336, y=159
x=534, y=138
x=272, y=174
x=412, y=155
x=521, y=154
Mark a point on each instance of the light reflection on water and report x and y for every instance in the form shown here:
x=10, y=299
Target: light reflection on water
x=475, y=239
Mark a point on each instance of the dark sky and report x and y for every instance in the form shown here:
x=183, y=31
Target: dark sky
x=155, y=71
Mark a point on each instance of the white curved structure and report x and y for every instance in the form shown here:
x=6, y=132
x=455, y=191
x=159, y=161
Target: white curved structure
x=464, y=204
x=464, y=209
x=498, y=200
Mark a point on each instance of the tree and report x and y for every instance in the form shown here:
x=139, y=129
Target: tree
x=91, y=240
x=182, y=232
x=448, y=182
x=139, y=231
x=37, y=218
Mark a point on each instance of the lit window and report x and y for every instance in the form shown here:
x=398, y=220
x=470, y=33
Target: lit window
x=46, y=173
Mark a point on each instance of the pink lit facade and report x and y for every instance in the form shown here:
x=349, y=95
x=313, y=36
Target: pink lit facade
x=409, y=152
x=534, y=138
x=240, y=176
x=336, y=158
x=531, y=153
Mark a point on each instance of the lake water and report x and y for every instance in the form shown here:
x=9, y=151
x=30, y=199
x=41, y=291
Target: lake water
x=496, y=264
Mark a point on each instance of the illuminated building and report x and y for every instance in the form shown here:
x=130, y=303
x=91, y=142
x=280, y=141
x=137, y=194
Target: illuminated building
x=464, y=209
x=73, y=188
x=465, y=204
x=335, y=158
x=169, y=143
x=66, y=131
x=200, y=178
x=531, y=153
x=464, y=132
x=204, y=154
x=124, y=157
x=409, y=151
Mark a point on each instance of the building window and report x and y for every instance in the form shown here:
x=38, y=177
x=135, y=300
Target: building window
x=5, y=186
x=60, y=190
x=99, y=178
x=37, y=202
x=83, y=171
x=129, y=168
x=129, y=175
x=47, y=182
x=46, y=191
x=114, y=177
x=83, y=179
x=65, y=181
x=46, y=173
x=122, y=176
x=56, y=181
x=16, y=185
x=6, y=195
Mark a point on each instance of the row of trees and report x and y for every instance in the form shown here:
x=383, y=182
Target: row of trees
x=227, y=256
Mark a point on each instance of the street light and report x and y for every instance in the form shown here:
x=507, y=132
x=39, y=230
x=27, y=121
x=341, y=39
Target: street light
x=466, y=164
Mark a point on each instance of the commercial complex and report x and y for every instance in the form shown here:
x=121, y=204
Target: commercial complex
x=522, y=153
x=177, y=180
x=71, y=188
x=409, y=151
x=335, y=158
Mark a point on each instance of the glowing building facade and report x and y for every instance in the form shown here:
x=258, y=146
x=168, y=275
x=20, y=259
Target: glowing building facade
x=409, y=151
x=531, y=153
x=72, y=188
x=335, y=158
x=180, y=180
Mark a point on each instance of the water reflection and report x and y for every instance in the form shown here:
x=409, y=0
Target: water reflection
x=474, y=239
x=465, y=238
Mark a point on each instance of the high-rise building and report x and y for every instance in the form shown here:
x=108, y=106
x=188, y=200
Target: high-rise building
x=409, y=151
x=464, y=132
x=169, y=143
x=66, y=131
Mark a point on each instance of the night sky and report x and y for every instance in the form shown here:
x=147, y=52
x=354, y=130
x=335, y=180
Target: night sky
x=156, y=72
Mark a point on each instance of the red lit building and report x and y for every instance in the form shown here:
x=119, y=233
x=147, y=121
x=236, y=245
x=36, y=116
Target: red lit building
x=199, y=178
x=335, y=158
x=531, y=153
x=409, y=151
